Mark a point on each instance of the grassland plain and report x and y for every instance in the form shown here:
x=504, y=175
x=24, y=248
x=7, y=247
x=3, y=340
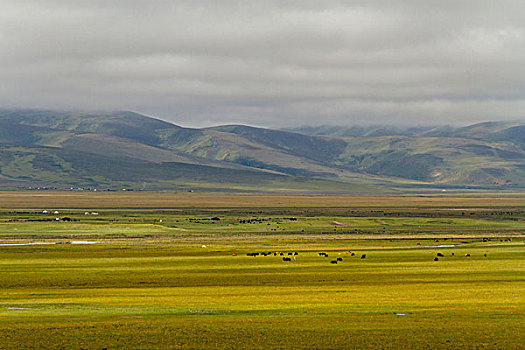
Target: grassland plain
x=170, y=271
x=122, y=199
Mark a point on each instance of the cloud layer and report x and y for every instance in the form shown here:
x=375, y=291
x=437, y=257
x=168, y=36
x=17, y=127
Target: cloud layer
x=268, y=63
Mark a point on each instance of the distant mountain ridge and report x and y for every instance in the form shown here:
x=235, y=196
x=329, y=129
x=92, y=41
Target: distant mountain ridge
x=123, y=148
x=509, y=131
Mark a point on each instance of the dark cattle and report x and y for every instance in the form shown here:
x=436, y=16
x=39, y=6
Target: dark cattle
x=363, y=256
x=339, y=259
x=485, y=255
x=439, y=254
x=286, y=259
x=65, y=218
x=290, y=253
x=436, y=259
x=295, y=253
x=467, y=254
x=353, y=254
x=452, y=254
x=333, y=262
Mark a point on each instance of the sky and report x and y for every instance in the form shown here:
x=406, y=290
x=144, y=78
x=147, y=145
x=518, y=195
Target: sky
x=268, y=63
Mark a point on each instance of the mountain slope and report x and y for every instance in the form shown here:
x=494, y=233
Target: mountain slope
x=316, y=148
x=102, y=133
x=94, y=151
x=485, y=155
x=56, y=167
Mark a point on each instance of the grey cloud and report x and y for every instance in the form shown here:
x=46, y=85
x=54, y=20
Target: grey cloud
x=268, y=63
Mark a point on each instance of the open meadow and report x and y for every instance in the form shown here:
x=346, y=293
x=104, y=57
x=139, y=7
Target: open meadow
x=222, y=271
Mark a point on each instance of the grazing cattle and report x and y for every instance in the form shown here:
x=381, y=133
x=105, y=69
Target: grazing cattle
x=353, y=254
x=485, y=255
x=439, y=254
x=339, y=259
x=436, y=259
x=290, y=253
x=286, y=259
x=467, y=255
x=363, y=256
x=333, y=262
x=295, y=253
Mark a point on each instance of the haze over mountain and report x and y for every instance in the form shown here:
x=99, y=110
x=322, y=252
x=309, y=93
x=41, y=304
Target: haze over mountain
x=126, y=149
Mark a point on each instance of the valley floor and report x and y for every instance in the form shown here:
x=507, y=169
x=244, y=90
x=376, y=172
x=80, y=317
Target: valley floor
x=162, y=271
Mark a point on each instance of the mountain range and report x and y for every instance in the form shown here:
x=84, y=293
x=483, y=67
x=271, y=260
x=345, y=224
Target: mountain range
x=115, y=150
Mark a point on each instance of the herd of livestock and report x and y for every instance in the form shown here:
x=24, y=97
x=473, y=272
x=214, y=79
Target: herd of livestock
x=292, y=255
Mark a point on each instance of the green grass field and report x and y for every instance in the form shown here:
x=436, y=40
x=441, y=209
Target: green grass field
x=186, y=282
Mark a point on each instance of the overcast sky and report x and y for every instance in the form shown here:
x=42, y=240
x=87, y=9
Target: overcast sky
x=268, y=63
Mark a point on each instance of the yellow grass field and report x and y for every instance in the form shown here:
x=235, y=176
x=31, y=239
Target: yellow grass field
x=178, y=271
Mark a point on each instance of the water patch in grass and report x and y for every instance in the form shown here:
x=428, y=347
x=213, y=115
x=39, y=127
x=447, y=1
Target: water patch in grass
x=31, y=243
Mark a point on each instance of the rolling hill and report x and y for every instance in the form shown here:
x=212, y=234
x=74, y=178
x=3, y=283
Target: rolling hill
x=127, y=149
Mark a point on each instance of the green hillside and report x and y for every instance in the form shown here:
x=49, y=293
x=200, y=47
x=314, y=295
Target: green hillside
x=61, y=168
x=490, y=154
x=129, y=149
x=92, y=150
